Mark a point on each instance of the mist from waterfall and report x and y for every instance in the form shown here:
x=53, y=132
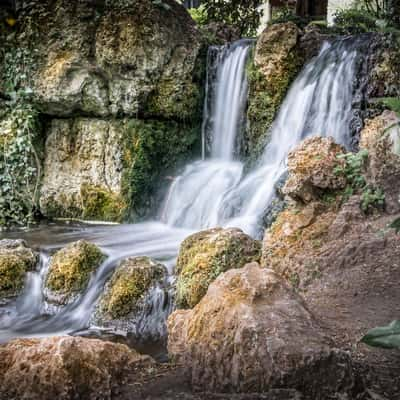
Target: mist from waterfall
x=208, y=193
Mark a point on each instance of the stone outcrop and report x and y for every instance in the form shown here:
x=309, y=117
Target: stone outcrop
x=110, y=58
x=69, y=271
x=251, y=333
x=108, y=169
x=311, y=168
x=205, y=255
x=15, y=260
x=97, y=67
x=67, y=368
x=125, y=299
x=277, y=60
x=381, y=138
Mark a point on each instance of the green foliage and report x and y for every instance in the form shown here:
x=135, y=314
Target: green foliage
x=19, y=165
x=352, y=169
x=199, y=15
x=355, y=21
x=395, y=225
x=387, y=337
x=243, y=14
x=287, y=14
x=392, y=103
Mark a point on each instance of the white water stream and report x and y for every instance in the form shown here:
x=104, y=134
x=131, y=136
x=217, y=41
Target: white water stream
x=209, y=193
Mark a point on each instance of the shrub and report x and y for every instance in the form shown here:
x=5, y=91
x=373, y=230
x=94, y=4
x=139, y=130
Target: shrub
x=355, y=21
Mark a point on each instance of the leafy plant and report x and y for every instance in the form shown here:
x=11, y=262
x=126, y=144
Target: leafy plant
x=199, y=15
x=395, y=225
x=287, y=14
x=352, y=169
x=354, y=20
x=387, y=337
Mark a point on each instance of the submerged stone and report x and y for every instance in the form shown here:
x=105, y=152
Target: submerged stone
x=15, y=260
x=205, y=255
x=69, y=271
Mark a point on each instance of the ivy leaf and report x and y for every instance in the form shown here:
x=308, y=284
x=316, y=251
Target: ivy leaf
x=387, y=337
x=395, y=225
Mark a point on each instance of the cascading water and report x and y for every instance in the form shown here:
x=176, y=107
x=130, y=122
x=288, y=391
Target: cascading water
x=208, y=193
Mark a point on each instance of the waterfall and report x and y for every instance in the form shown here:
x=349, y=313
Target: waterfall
x=208, y=193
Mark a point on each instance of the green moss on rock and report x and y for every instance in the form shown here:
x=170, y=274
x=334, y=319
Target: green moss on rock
x=102, y=204
x=129, y=284
x=15, y=260
x=276, y=62
x=70, y=270
x=151, y=149
x=205, y=255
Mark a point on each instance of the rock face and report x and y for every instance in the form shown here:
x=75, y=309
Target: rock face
x=126, y=296
x=381, y=138
x=205, y=255
x=123, y=82
x=251, y=333
x=311, y=168
x=108, y=169
x=70, y=270
x=109, y=58
x=67, y=368
x=15, y=260
x=277, y=60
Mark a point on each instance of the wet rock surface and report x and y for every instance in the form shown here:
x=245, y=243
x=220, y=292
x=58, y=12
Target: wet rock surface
x=69, y=271
x=205, y=255
x=137, y=288
x=16, y=259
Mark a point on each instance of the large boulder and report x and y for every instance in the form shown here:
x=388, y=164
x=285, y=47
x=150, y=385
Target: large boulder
x=381, y=138
x=311, y=168
x=67, y=368
x=127, y=298
x=111, y=58
x=205, y=255
x=251, y=333
x=15, y=260
x=277, y=60
x=69, y=271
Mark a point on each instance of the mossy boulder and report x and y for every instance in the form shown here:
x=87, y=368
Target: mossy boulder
x=126, y=296
x=277, y=60
x=205, y=255
x=70, y=269
x=15, y=260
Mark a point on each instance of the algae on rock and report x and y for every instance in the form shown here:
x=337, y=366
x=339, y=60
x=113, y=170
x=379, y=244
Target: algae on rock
x=15, y=260
x=70, y=269
x=205, y=255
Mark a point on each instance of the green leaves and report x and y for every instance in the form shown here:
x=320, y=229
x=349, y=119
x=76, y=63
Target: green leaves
x=387, y=337
x=395, y=225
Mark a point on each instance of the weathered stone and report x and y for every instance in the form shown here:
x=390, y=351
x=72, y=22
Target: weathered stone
x=112, y=58
x=251, y=333
x=205, y=255
x=126, y=296
x=311, y=168
x=15, y=260
x=67, y=368
x=381, y=138
x=277, y=60
x=70, y=269
x=108, y=169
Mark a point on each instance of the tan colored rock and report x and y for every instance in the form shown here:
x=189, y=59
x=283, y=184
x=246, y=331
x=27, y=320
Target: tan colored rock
x=15, y=260
x=381, y=138
x=205, y=255
x=66, y=368
x=251, y=333
x=311, y=168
